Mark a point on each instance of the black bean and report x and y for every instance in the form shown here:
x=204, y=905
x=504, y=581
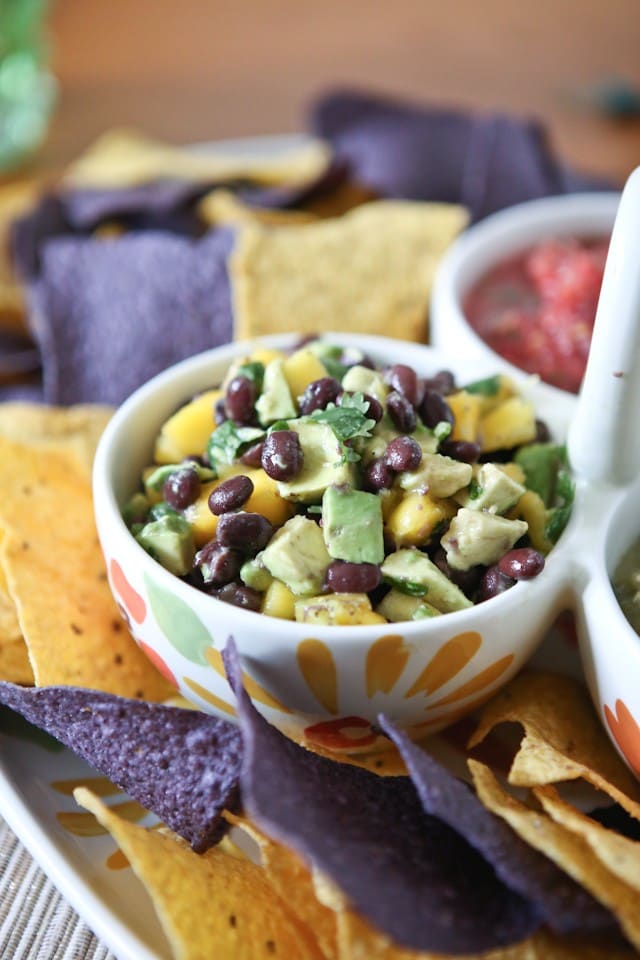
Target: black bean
x=403, y=453
x=442, y=382
x=463, y=450
x=402, y=414
x=252, y=456
x=434, y=409
x=543, y=434
x=377, y=476
x=219, y=412
x=231, y=494
x=375, y=410
x=217, y=564
x=282, y=455
x=493, y=582
x=248, y=532
x=240, y=596
x=319, y=394
x=343, y=577
x=524, y=563
x=181, y=488
x=404, y=380
x=239, y=400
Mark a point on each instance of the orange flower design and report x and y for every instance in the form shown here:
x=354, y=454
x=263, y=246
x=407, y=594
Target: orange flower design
x=626, y=732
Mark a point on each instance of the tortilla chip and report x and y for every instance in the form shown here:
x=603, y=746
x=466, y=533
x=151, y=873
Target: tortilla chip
x=76, y=429
x=123, y=157
x=213, y=905
x=295, y=884
x=563, y=737
x=564, y=906
x=223, y=206
x=359, y=942
x=14, y=659
x=410, y=874
x=618, y=853
x=568, y=850
x=56, y=577
x=368, y=272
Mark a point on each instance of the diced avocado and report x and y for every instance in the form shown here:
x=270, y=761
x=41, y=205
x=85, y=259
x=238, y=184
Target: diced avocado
x=169, y=541
x=364, y=380
x=275, y=401
x=297, y=555
x=322, y=463
x=254, y=574
x=136, y=509
x=437, y=475
x=541, y=463
x=412, y=572
x=475, y=538
x=396, y=607
x=491, y=489
x=352, y=525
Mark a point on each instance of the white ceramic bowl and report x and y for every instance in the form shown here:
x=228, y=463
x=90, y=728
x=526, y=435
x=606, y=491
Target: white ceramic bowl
x=489, y=242
x=320, y=683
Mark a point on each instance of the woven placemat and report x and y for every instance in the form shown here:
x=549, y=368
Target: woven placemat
x=36, y=923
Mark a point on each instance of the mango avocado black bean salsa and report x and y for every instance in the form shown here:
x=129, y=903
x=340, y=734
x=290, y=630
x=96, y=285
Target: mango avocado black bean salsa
x=314, y=486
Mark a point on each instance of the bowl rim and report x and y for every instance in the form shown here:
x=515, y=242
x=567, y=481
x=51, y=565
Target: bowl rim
x=105, y=502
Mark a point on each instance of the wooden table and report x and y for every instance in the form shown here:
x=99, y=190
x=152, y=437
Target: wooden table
x=191, y=70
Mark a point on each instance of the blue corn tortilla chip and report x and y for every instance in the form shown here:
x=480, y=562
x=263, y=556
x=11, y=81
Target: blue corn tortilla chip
x=408, y=873
x=180, y=764
x=564, y=905
x=163, y=204
x=29, y=234
x=110, y=315
x=284, y=197
x=483, y=161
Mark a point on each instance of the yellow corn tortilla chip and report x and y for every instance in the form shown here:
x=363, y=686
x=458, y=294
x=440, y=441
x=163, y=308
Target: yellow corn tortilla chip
x=76, y=429
x=223, y=206
x=14, y=658
x=367, y=272
x=56, y=577
x=294, y=884
x=568, y=850
x=563, y=738
x=618, y=853
x=15, y=200
x=125, y=157
x=209, y=905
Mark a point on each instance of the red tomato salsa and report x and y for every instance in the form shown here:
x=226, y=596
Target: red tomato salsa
x=537, y=309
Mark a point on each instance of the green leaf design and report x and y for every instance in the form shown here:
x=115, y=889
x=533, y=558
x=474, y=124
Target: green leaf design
x=180, y=625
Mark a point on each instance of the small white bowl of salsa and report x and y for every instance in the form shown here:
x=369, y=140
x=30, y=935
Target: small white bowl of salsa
x=519, y=290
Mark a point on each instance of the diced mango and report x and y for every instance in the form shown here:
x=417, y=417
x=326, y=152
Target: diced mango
x=506, y=389
x=530, y=507
x=389, y=500
x=467, y=409
x=265, y=355
x=514, y=471
x=508, y=425
x=197, y=514
x=396, y=607
x=338, y=609
x=302, y=368
x=188, y=430
x=279, y=601
x=414, y=519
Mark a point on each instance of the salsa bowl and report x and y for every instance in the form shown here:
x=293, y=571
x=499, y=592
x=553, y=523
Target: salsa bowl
x=497, y=241
x=318, y=683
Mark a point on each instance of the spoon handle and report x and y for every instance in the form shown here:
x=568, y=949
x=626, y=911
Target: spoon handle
x=604, y=436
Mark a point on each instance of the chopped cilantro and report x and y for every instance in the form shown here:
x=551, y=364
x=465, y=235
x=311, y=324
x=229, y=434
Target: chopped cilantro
x=558, y=515
x=442, y=430
x=475, y=489
x=347, y=421
x=252, y=371
x=226, y=443
x=407, y=586
x=488, y=387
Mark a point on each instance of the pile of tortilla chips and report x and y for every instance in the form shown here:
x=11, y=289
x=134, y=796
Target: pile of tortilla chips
x=365, y=859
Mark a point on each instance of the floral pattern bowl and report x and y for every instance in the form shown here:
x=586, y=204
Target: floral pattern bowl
x=324, y=684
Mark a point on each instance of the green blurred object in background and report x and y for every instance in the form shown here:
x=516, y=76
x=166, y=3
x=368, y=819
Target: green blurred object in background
x=27, y=89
